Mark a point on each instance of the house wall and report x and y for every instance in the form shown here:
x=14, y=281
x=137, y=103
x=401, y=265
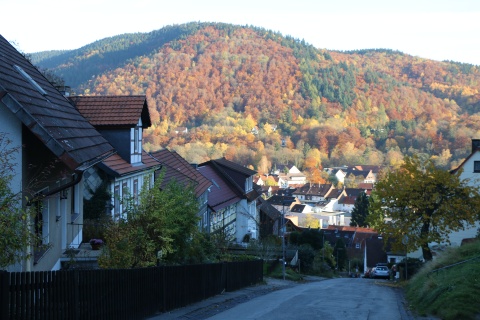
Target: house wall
x=246, y=220
x=225, y=219
x=10, y=125
x=136, y=143
x=118, y=139
x=124, y=187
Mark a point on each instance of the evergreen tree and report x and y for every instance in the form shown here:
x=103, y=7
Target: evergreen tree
x=360, y=211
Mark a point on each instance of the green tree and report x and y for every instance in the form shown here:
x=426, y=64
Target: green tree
x=424, y=203
x=310, y=221
x=17, y=231
x=360, y=211
x=313, y=237
x=164, y=220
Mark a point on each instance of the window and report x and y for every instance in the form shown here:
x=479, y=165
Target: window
x=124, y=190
x=42, y=226
x=248, y=184
x=116, y=195
x=135, y=190
x=476, y=166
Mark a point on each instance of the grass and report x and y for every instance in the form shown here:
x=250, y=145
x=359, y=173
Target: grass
x=290, y=274
x=448, y=293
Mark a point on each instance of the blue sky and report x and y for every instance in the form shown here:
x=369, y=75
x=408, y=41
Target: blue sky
x=433, y=29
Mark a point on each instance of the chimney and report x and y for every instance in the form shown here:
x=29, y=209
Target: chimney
x=64, y=90
x=475, y=144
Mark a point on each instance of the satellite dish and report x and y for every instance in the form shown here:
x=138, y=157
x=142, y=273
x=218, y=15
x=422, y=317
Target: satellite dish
x=405, y=240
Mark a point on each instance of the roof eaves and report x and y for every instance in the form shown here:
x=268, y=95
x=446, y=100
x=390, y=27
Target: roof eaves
x=29, y=121
x=217, y=167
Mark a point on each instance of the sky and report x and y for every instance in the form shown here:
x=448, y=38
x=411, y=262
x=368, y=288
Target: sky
x=432, y=29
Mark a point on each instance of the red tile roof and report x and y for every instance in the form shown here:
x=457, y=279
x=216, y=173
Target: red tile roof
x=113, y=110
x=179, y=169
x=117, y=166
x=46, y=112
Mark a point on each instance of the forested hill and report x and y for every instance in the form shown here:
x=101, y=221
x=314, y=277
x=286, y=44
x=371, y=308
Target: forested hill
x=331, y=108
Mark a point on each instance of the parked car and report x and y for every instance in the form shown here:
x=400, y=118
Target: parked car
x=381, y=272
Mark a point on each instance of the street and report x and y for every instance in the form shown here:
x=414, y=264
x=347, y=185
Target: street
x=342, y=298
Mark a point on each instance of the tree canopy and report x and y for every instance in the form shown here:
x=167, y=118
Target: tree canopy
x=420, y=203
x=16, y=224
x=164, y=220
x=360, y=211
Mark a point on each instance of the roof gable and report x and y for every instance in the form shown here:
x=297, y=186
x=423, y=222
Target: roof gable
x=116, y=166
x=103, y=111
x=222, y=194
x=179, y=169
x=46, y=112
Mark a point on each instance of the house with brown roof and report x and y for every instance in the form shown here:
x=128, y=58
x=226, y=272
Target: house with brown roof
x=232, y=200
x=312, y=192
x=178, y=169
x=346, y=201
x=57, y=145
x=120, y=120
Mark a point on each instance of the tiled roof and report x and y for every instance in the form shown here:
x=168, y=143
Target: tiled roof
x=113, y=110
x=365, y=186
x=314, y=189
x=234, y=166
x=46, y=112
x=347, y=200
x=334, y=193
x=222, y=193
x=268, y=209
x=117, y=166
x=179, y=169
x=236, y=175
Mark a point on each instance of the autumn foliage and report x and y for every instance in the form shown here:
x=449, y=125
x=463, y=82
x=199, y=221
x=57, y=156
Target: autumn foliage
x=258, y=98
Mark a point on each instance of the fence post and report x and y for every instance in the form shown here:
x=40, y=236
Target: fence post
x=76, y=293
x=4, y=295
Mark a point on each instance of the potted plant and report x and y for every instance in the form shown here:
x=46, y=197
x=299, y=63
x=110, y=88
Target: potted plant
x=96, y=243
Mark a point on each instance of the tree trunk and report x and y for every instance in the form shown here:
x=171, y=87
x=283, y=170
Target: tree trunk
x=427, y=254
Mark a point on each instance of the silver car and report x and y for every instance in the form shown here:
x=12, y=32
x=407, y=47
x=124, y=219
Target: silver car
x=381, y=272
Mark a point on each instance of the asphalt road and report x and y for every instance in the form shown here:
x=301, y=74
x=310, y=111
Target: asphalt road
x=341, y=298
x=314, y=298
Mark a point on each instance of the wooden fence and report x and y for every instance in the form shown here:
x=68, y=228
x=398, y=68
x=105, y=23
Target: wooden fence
x=118, y=293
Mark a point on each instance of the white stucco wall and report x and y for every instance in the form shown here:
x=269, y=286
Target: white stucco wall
x=13, y=127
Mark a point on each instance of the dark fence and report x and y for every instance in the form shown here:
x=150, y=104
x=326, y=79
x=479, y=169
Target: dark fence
x=118, y=293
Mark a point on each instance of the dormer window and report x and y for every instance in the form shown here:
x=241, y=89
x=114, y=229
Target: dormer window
x=248, y=184
x=136, y=143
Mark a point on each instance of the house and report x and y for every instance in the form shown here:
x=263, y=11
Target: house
x=363, y=244
x=367, y=187
x=181, y=130
x=373, y=172
x=295, y=177
x=270, y=218
x=57, y=145
x=312, y=192
x=178, y=169
x=232, y=200
x=346, y=201
x=362, y=173
x=471, y=174
x=121, y=121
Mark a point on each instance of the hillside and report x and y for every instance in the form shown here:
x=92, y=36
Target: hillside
x=448, y=287
x=329, y=108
